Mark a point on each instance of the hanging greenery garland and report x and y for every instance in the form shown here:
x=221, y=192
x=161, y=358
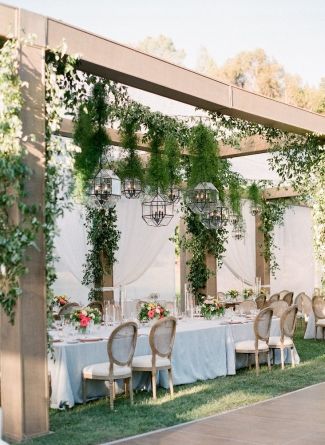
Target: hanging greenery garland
x=103, y=237
x=131, y=169
x=18, y=221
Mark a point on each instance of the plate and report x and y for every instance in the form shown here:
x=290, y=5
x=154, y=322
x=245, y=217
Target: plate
x=90, y=339
x=56, y=340
x=72, y=341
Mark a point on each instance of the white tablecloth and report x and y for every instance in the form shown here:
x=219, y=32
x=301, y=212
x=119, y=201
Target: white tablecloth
x=203, y=350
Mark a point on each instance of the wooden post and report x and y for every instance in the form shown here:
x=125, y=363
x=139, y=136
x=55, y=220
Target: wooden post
x=262, y=267
x=211, y=285
x=24, y=375
x=183, y=258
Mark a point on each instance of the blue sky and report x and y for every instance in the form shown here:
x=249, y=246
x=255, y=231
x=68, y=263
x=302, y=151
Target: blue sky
x=292, y=31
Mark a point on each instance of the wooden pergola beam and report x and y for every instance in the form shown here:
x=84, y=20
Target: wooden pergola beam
x=111, y=60
x=278, y=193
x=249, y=146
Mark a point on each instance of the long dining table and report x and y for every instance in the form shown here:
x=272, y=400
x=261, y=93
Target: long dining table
x=203, y=349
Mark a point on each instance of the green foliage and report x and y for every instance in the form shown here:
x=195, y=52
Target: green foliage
x=18, y=221
x=173, y=160
x=90, y=134
x=272, y=214
x=103, y=237
x=200, y=241
x=157, y=172
x=254, y=193
x=204, y=155
x=131, y=167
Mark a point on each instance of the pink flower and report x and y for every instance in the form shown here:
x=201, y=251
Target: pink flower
x=151, y=313
x=84, y=321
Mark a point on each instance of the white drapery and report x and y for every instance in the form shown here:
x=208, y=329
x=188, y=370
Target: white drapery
x=145, y=259
x=238, y=269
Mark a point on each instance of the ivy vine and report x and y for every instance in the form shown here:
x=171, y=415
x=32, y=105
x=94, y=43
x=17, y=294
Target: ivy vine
x=18, y=221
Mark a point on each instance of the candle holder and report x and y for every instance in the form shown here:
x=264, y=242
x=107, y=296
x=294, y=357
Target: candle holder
x=157, y=212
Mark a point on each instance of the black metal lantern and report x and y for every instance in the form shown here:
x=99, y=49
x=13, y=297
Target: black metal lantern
x=204, y=198
x=157, y=211
x=233, y=218
x=239, y=230
x=132, y=188
x=255, y=209
x=174, y=194
x=216, y=218
x=105, y=189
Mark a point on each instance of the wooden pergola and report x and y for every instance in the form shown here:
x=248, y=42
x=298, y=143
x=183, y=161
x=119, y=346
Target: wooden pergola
x=24, y=375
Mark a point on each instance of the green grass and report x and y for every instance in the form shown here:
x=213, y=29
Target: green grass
x=95, y=424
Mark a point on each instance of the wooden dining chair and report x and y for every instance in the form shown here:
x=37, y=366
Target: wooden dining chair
x=285, y=339
x=262, y=325
x=318, y=304
x=260, y=301
x=305, y=308
x=288, y=298
x=68, y=308
x=282, y=293
x=161, y=340
x=279, y=307
x=120, y=349
x=274, y=297
x=245, y=307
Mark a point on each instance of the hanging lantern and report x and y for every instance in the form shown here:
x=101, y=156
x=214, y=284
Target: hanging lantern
x=255, y=209
x=204, y=198
x=239, y=230
x=233, y=218
x=132, y=188
x=105, y=189
x=216, y=218
x=157, y=211
x=174, y=194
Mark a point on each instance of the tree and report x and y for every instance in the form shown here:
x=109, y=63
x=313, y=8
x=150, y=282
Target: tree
x=162, y=47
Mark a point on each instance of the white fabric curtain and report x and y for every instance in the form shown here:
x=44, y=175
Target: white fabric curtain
x=145, y=260
x=238, y=269
x=297, y=268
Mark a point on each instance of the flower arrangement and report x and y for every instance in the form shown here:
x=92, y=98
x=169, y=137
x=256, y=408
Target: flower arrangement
x=151, y=311
x=83, y=317
x=247, y=293
x=233, y=293
x=61, y=300
x=212, y=307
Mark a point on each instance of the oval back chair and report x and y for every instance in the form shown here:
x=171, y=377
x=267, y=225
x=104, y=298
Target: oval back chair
x=279, y=307
x=288, y=297
x=68, y=309
x=274, y=297
x=260, y=301
x=161, y=340
x=245, y=307
x=120, y=349
x=287, y=329
x=318, y=304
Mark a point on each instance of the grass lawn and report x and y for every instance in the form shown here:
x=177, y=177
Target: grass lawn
x=95, y=424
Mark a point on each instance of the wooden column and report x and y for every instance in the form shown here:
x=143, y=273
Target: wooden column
x=183, y=258
x=24, y=375
x=262, y=267
x=211, y=285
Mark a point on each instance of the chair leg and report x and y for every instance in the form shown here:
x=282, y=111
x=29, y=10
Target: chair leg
x=171, y=386
x=131, y=390
x=126, y=384
x=282, y=358
x=323, y=333
x=315, y=332
x=293, y=364
x=257, y=365
x=84, y=390
x=269, y=360
x=154, y=386
x=111, y=394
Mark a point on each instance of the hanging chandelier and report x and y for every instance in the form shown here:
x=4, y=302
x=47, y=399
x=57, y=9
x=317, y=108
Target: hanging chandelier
x=105, y=189
x=132, y=188
x=255, y=209
x=216, y=218
x=238, y=232
x=157, y=211
x=204, y=198
x=174, y=194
